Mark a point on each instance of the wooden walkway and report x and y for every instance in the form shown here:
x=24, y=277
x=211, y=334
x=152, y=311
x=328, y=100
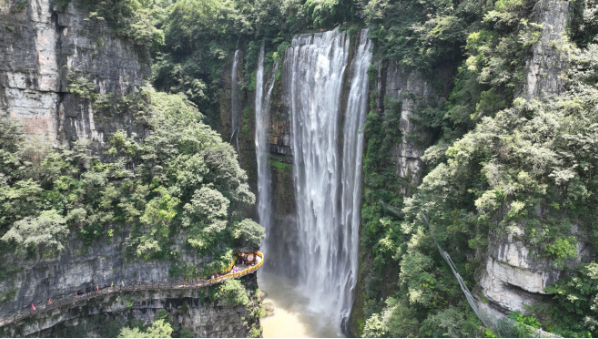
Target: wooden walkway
x=132, y=288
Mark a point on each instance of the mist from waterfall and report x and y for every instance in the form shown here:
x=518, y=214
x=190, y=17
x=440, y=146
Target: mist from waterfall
x=235, y=102
x=262, y=118
x=327, y=160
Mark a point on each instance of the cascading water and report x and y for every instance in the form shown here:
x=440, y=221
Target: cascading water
x=355, y=113
x=262, y=118
x=327, y=163
x=235, y=105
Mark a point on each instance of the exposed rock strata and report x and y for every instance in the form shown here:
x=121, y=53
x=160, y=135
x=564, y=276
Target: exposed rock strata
x=188, y=309
x=80, y=268
x=41, y=47
x=411, y=88
x=513, y=275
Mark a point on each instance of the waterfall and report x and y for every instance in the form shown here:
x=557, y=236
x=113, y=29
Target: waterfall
x=235, y=106
x=262, y=118
x=355, y=113
x=327, y=163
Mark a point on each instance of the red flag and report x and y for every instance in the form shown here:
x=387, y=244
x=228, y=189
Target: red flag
x=33, y=307
x=49, y=301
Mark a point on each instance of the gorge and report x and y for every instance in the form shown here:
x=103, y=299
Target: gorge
x=158, y=141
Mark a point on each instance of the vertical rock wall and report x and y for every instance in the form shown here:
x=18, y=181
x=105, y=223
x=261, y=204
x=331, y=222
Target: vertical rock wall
x=43, y=45
x=413, y=89
x=280, y=159
x=42, y=48
x=513, y=277
x=190, y=309
x=80, y=268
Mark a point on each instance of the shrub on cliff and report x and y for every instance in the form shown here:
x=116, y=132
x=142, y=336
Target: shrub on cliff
x=232, y=292
x=130, y=19
x=249, y=231
x=159, y=329
x=182, y=180
x=47, y=231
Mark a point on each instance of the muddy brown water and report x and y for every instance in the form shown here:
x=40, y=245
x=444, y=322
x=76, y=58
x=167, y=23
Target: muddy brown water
x=292, y=318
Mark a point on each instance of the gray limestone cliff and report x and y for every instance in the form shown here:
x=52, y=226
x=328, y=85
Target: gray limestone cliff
x=513, y=276
x=42, y=47
x=192, y=310
x=413, y=89
x=81, y=269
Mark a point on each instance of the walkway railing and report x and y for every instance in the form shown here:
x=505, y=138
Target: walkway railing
x=132, y=288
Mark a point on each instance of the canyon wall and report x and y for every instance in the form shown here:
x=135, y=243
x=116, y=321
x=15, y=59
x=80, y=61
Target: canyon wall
x=43, y=47
x=513, y=276
x=414, y=90
x=81, y=268
x=189, y=309
x=279, y=158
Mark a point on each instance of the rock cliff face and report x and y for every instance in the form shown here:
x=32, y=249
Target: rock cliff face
x=412, y=88
x=547, y=60
x=513, y=277
x=42, y=47
x=190, y=309
x=280, y=159
x=80, y=269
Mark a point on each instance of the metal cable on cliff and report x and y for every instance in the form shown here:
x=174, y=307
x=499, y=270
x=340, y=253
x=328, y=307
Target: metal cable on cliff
x=485, y=318
x=451, y=264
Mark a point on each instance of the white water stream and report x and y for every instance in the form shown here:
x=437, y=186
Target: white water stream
x=327, y=157
x=262, y=118
x=235, y=105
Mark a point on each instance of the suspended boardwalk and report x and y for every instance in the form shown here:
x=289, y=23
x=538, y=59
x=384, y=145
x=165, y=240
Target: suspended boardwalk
x=133, y=288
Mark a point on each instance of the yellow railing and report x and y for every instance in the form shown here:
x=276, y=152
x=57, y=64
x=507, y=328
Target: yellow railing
x=230, y=267
x=241, y=273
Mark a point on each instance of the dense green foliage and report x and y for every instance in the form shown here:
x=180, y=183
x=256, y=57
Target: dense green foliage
x=130, y=19
x=232, y=292
x=159, y=329
x=180, y=180
x=493, y=162
x=202, y=35
x=576, y=299
x=497, y=165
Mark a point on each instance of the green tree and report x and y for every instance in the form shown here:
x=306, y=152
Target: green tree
x=48, y=231
x=232, y=292
x=249, y=231
x=159, y=329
